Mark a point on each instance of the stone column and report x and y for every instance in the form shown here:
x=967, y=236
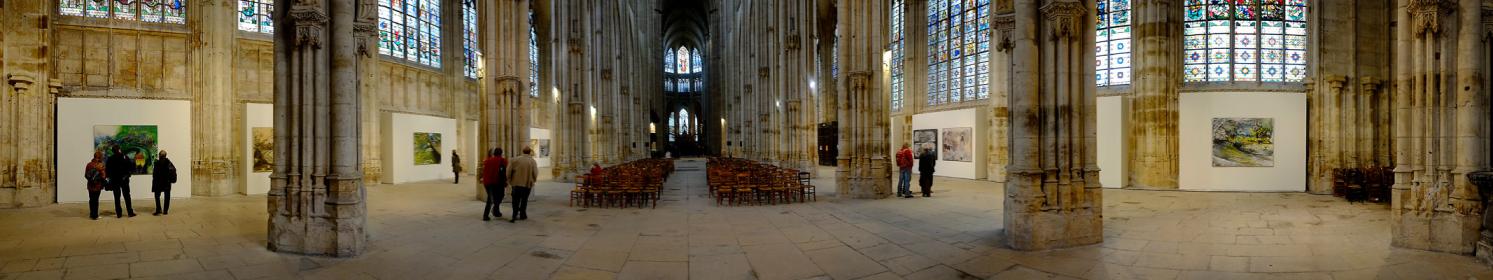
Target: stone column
x=316, y=199
x=1441, y=125
x=1053, y=198
x=798, y=123
x=214, y=165
x=503, y=120
x=26, y=106
x=1157, y=44
x=572, y=20
x=1000, y=92
x=864, y=168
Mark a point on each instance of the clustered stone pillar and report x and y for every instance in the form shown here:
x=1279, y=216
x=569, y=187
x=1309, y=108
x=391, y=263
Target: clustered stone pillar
x=316, y=198
x=1052, y=192
x=214, y=165
x=1441, y=125
x=863, y=163
x=798, y=104
x=26, y=106
x=572, y=22
x=503, y=120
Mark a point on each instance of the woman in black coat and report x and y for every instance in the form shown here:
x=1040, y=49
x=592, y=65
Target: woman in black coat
x=925, y=172
x=160, y=184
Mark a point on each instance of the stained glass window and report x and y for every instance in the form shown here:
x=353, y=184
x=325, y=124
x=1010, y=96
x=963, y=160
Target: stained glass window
x=1244, y=40
x=533, y=58
x=897, y=48
x=684, y=122
x=1112, y=44
x=958, y=51
x=469, y=48
x=683, y=61
x=410, y=30
x=695, y=64
x=254, y=16
x=159, y=11
x=669, y=61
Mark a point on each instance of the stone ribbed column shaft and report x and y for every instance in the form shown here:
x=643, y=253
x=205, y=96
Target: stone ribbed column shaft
x=863, y=167
x=1153, y=129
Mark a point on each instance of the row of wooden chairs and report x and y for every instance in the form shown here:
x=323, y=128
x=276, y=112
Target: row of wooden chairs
x=743, y=182
x=638, y=183
x=1363, y=184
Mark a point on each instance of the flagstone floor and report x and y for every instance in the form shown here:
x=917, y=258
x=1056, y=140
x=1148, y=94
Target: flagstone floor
x=433, y=230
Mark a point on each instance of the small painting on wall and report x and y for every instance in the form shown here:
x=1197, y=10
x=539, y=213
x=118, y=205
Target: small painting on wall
x=958, y=144
x=544, y=148
x=427, y=148
x=925, y=141
x=1243, y=142
x=137, y=142
x=264, y=149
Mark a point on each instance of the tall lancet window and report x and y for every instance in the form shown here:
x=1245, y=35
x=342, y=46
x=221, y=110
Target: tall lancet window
x=470, y=52
x=897, y=54
x=159, y=11
x=669, y=60
x=533, y=58
x=958, y=51
x=1112, y=44
x=1244, y=40
x=410, y=30
x=695, y=65
x=254, y=16
x=683, y=60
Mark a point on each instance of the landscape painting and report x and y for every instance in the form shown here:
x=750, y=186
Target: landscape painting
x=264, y=149
x=137, y=142
x=1243, y=142
x=925, y=141
x=427, y=148
x=958, y=144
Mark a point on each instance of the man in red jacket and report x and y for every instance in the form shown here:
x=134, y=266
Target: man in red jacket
x=904, y=167
x=494, y=179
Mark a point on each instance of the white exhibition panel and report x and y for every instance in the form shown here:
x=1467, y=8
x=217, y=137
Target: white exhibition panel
x=537, y=134
x=399, y=146
x=972, y=118
x=1112, y=125
x=1195, y=128
x=255, y=115
x=75, y=120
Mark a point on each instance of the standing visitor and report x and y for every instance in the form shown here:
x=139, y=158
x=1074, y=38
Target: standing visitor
x=456, y=166
x=493, y=178
x=164, y=176
x=925, y=166
x=119, y=169
x=94, y=173
x=596, y=169
x=521, y=175
x=904, y=167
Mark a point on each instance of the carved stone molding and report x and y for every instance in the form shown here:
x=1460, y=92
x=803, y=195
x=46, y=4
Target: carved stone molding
x=20, y=82
x=794, y=42
x=575, y=45
x=1064, y=17
x=763, y=72
x=1426, y=15
x=1371, y=85
x=606, y=74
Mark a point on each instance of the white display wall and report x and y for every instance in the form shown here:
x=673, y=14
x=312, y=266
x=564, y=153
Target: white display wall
x=975, y=119
x=1112, y=126
x=1195, y=128
x=255, y=115
x=537, y=134
x=398, y=149
x=76, y=118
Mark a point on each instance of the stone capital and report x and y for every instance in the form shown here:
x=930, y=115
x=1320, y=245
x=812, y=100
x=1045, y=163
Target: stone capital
x=1064, y=16
x=1426, y=15
x=20, y=82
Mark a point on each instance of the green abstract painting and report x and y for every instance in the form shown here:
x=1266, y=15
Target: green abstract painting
x=427, y=148
x=1243, y=142
x=137, y=142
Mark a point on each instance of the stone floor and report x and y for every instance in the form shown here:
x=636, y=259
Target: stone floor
x=433, y=230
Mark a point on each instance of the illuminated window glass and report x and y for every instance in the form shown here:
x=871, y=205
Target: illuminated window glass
x=1244, y=40
x=158, y=11
x=669, y=61
x=1112, y=47
x=958, y=51
x=695, y=64
x=533, y=58
x=469, y=48
x=410, y=30
x=897, y=54
x=683, y=61
x=254, y=16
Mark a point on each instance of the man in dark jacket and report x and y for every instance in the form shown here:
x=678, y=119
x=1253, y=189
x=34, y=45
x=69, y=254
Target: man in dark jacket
x=494, y=179
x=925, y=167
x=119, y=168
x=456, y=166
x=160, y=184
